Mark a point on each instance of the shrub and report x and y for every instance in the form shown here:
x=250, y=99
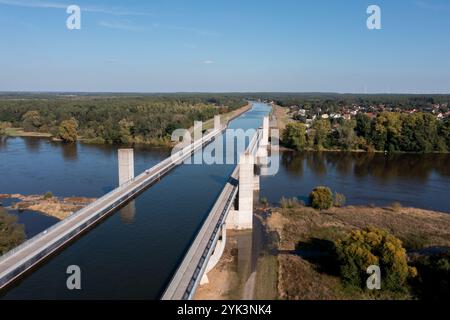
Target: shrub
x=48, y=195
x=434, y=280
x=12, y=234
x=264, y=201
x=339, y=200
x=290, y=203
x=321, y=198
x=396, y=206
x=370, y=246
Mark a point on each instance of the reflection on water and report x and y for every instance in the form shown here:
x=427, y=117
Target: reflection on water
x=419, y=180
x=128, y=213
x=70, y=152
x=33, y=145
x=384, y=167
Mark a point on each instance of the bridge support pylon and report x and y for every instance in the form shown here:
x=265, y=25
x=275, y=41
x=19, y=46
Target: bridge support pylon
x=262, y=153
x=242, y=218
x=126, y=166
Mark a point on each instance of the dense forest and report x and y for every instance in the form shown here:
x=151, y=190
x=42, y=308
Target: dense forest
x=387, y=131
x=111, y=118
x=334, y=102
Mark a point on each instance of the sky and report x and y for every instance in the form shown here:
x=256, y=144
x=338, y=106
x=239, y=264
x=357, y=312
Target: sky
x=225, y=46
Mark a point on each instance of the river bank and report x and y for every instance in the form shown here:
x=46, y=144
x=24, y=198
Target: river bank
x=59, y=208
x=164, y=142
x=295, y=262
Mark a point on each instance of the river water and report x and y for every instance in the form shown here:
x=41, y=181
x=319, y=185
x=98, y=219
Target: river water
x=134, y=252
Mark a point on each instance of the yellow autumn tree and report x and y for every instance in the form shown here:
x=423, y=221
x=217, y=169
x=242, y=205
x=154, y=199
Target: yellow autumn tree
x=371, y=246
x=67, y=131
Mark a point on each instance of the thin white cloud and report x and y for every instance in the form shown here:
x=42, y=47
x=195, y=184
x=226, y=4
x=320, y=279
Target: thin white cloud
x=208, y=62
x=115, y=11
x=58, y=5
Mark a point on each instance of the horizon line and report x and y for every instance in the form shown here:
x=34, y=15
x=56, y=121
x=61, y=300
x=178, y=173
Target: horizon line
x=214, y=92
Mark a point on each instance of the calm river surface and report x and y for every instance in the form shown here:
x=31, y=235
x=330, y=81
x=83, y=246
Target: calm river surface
x=134, y=253
x=414, y=180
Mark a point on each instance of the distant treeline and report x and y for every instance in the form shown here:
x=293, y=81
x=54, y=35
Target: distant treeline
x=111, y=118
x=388, y=131
x=334, y=102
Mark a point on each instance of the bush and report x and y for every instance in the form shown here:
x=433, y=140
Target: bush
x=396, y=206
x=321, y=198
x=290, y=203
x=363, y=248
x=48, y=195
x=339, y=200
x=264, y=201
x=434, y=276
x=12, y=234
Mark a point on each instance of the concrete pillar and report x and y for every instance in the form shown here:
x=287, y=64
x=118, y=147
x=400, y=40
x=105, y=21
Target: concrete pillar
x=126, y=166
x=242, y=217
x=217, y=124
x=246, y=181
x=265, y=135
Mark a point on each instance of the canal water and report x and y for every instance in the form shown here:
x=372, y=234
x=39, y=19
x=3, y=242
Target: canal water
x=134, y=253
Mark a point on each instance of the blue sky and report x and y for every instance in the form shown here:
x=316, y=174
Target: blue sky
x=225, y=45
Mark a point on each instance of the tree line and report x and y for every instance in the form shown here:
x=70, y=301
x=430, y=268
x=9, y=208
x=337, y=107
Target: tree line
x=111, y=119
x=387, y=131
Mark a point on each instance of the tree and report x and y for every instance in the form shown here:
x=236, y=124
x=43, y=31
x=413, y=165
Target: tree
x=68, y=131
x=126, y=127
x=321, y=130
x=363, y=125
x=379, y=132
x=11, y=233
x=444, y=132
x=360, y=249
x=31, y=120
x=3, y=127
x=347, y=138
x=321, y=198
x=294, y=136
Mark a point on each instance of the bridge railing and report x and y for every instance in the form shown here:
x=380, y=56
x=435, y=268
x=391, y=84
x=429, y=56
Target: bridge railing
x=113, y=193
